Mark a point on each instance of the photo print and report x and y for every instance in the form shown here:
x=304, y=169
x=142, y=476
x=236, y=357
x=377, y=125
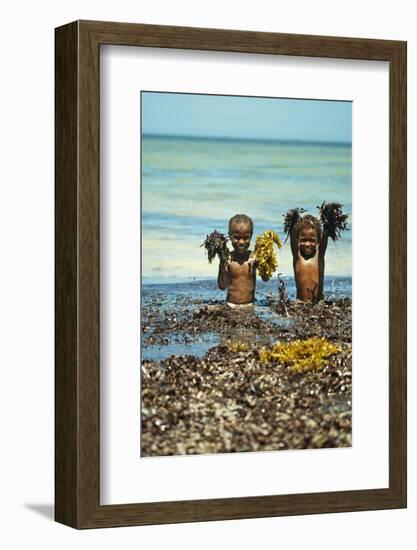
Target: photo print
x=246, y=274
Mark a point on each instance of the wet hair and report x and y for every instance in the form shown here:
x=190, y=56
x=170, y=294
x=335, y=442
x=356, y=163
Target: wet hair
x=239, y=219
x=309, y=222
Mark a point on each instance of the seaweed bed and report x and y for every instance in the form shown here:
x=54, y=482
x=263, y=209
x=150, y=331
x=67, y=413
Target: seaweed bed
x=230, y=400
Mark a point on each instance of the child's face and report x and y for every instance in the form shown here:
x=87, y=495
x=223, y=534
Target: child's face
x=308, y=241
x=240, y=237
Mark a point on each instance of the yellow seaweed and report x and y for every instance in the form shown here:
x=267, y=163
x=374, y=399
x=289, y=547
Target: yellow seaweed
x=301, y=355
x=236, y=346
x=265, y=254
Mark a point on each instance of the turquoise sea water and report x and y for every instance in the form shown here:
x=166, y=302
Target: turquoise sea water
x=191, y=186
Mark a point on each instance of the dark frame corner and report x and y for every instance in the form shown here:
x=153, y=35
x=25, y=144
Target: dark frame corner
x=77, y=47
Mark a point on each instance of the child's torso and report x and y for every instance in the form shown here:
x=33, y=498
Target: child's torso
x=309, y=278
x=241, y=282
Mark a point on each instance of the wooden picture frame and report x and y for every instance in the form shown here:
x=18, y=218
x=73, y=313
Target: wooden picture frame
x=77, y=372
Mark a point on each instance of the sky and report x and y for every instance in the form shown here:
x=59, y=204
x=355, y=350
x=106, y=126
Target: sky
x=246, y=117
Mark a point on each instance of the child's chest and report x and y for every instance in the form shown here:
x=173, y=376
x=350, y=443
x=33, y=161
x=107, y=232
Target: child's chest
x=310, y=266
x=240, y=270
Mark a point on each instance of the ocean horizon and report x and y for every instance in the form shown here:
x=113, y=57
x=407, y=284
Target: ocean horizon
x=247, y=139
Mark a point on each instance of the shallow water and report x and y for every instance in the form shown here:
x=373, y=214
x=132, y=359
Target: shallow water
x=192, y=293
x=177, y=301
x=190, y=187
x=196, y=346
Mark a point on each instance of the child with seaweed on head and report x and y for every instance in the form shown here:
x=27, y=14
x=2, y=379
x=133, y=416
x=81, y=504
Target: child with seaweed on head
x=237, y=273
x=309, y=237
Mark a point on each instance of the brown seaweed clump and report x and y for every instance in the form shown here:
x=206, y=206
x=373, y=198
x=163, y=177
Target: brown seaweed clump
x=291, y=218
x=283, y=300
x=331, y=319
x=216, y=244
x=233, y=402
x=265, y=255
x=333, y=219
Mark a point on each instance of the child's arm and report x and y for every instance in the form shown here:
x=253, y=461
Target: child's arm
x=253, y=265
x=323, y=243
x=223, y=275
x=294, y=242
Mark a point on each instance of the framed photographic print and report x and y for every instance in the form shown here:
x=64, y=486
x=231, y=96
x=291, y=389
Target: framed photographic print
x=230, y=274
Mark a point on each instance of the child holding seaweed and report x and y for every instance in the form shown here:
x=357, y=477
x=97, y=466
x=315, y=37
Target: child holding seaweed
x=309, y=237
x=237, y=270
x=238, y=273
